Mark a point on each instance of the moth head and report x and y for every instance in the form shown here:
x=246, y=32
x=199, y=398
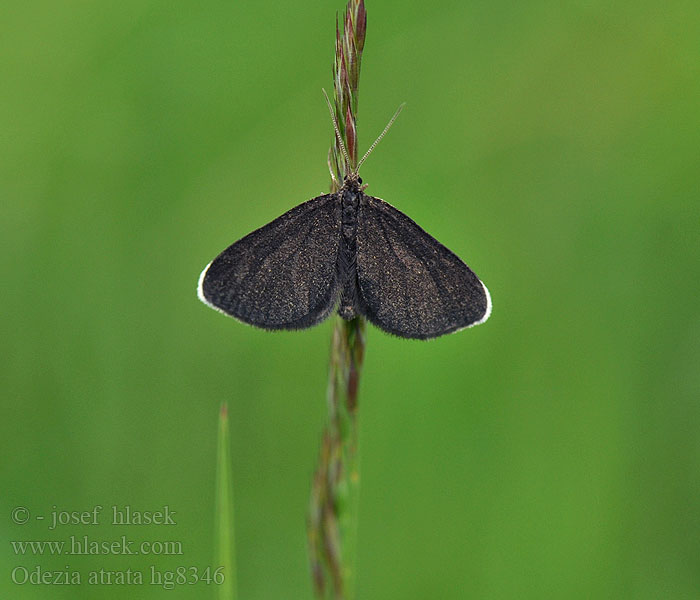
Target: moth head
x=353, y=181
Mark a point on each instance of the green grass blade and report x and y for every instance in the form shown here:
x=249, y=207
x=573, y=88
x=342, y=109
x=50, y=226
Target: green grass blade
x=226, y=552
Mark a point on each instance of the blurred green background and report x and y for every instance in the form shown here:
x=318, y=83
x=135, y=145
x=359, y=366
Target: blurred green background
x=552, y=453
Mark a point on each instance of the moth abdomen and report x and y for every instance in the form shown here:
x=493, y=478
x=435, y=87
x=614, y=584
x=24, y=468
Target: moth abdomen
x=347, y=253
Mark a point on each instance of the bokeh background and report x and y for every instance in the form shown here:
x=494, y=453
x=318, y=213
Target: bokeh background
x=551, y=453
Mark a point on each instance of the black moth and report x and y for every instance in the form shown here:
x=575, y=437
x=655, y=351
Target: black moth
x=349, y=250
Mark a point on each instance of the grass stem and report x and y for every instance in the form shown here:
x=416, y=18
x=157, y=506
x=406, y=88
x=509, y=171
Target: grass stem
x=333, y=508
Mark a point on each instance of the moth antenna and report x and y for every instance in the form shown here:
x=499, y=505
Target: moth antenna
x=337, y=132
x=381, y=135
x=330, y=170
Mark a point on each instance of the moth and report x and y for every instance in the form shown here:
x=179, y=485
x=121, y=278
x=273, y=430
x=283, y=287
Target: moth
x=347, y=250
